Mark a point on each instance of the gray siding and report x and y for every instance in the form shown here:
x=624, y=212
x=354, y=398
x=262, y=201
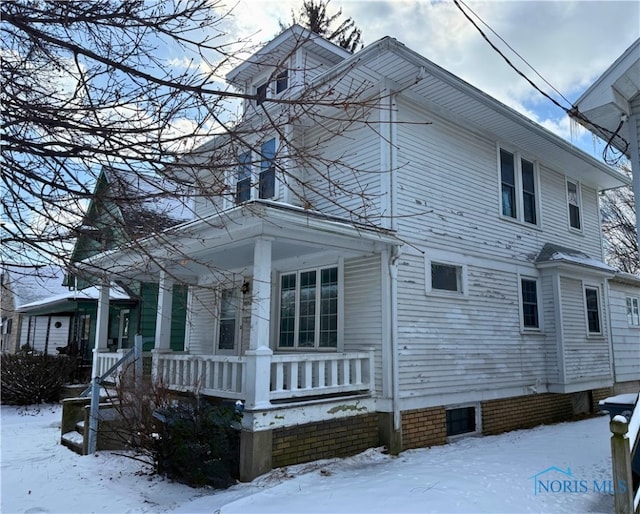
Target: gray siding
x=625, y=337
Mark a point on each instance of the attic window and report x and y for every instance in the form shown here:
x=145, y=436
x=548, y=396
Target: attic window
x=282, y=81
x=261, y=93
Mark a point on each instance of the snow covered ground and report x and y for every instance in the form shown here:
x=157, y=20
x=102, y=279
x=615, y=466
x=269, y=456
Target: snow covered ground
x=561, y=468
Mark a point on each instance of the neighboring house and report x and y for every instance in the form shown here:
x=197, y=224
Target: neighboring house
x=432, y=269
x=23, y=285
x=126, y=206
x=610, y=108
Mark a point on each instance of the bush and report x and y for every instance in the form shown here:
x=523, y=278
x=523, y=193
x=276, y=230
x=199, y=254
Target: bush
x=198, y=445
x=29, y=378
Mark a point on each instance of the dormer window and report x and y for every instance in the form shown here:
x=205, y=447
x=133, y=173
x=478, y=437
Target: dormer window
x=261, y=93
x=277, y=83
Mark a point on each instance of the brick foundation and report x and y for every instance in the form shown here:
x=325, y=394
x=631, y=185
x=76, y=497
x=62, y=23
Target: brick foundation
x=324, y=440
x=423, y=427
x=525, y=412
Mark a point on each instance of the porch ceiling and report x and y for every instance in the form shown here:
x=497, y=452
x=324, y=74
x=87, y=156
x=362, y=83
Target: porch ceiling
x=225, y=242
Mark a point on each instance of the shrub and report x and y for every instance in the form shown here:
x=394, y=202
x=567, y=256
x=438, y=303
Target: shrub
x=29, y=378
x=199, y=445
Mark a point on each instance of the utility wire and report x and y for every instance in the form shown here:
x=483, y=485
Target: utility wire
x=573, y=111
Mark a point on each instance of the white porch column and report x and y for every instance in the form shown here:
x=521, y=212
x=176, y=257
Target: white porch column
x=259, y=354
x=163, y=317
x=102, y=325
x=162, y=343
x=261, y=295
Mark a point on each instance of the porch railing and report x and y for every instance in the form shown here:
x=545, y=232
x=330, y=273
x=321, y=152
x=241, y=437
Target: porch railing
x=288, y=376
x=212, y=375
x=295, y=376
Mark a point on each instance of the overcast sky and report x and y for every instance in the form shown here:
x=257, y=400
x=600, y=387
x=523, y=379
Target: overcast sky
x=570, y=43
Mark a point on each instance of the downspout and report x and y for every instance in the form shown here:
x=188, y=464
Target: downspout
x=393, y=264
x=607, y=310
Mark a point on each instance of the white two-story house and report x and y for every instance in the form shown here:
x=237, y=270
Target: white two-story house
x=382, y=254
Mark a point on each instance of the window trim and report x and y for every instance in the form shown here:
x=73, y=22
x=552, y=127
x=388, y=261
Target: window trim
x=478, y=420
x=238, y=320
x=519, y=192
x=463, y=290
x=578, y=204
x=525, y=328
x=318, y=311
x=629, y=301
x=593, y=287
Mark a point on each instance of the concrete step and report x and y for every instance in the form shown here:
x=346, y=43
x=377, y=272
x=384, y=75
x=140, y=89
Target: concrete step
x=74, y=441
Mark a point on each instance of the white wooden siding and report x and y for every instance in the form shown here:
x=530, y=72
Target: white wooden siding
x=448, y=195
x=363, y=309
x=625, y=338
x=202, y=320
x=458, y=345
x=586, y=357
x=44, y=334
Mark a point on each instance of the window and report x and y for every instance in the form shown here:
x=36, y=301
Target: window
x=445, y=278
x=593, y=309
x=518, y=188
x=228, y=320
x=573, y=200
x=243, y=182
x=282, y=81
x=261, y=93
x=267, y=179
x=529, y=291
x=633, y=311
x=461, y=420
x=309, y=309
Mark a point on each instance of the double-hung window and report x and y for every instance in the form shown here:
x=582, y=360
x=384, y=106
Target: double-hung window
x=267, y=179
x=518, y=188
x=633, y=311
x=573, y=201
x=592, y=303
x=243, y=179
x=309, y=309
x=228, y=322
x=529, y=297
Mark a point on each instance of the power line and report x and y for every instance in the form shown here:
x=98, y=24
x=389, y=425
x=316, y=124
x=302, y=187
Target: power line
x=572, y=111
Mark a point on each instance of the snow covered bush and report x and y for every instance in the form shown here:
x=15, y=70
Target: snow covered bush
x=29, y=378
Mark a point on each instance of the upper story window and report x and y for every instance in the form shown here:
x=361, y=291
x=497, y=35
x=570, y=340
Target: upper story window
x=261, y=183
x=518, y=182
x=633, y=311
x=274, y=86
x=574, y=201
x=592, y=302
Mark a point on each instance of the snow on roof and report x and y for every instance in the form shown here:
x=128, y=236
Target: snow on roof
x=91, y=293
x=32, y=284
x=556, y=253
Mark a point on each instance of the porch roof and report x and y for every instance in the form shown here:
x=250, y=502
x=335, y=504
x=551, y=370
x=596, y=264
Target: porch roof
x=225, y=242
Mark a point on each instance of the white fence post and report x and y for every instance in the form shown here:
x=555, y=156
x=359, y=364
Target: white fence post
x=621, y=461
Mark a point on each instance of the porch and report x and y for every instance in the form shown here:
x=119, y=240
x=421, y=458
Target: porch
x=260, y=378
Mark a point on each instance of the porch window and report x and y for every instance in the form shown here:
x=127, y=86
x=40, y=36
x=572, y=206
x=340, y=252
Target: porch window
x=573, y=200
x=529, y=292
x=228, y=320
x=267, y=179
x=309, y=309
x=518, y=179
x=592, y=301
x=633, y=311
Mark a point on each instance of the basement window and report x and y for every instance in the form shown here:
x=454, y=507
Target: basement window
x=461, y=420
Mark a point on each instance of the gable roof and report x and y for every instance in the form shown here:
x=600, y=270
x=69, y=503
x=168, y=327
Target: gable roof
x=33, y=284
x=281, y=47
